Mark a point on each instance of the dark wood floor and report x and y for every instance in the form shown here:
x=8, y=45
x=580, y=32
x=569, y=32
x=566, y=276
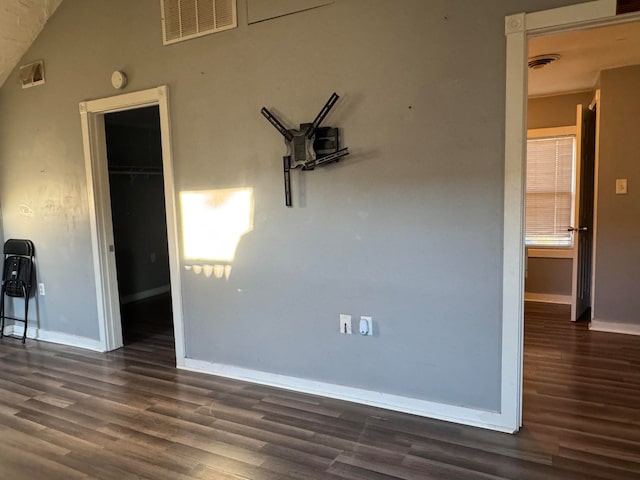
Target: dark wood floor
x=68, y=414
x=149, y=320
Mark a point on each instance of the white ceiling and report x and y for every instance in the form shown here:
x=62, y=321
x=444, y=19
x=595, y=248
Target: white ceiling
x=584, y=53
x=20, y=23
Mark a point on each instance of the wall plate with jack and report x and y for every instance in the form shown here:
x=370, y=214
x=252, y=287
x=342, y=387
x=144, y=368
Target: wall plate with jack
x=41, y=290
x=366, y=326
x=345, y=324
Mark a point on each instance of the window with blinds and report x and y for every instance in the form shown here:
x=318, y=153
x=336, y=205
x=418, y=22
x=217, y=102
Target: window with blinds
x=550, y=190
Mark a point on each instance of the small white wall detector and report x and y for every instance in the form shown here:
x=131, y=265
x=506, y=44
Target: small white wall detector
x=118, y=80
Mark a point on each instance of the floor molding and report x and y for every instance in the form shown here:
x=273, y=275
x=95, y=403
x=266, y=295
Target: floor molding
x=598, y=325
x=547, y=298
x=451, y=413
x=152, y=292
x=61, y=338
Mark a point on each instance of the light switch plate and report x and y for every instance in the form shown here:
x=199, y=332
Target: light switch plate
x=621, y=186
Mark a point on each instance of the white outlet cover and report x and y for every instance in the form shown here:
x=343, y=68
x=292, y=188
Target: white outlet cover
x=621, y=186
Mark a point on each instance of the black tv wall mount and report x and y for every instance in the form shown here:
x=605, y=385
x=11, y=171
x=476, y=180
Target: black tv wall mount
x=308, y=147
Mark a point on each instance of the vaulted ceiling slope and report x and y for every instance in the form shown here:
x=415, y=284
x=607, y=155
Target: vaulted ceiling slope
x=20, y=23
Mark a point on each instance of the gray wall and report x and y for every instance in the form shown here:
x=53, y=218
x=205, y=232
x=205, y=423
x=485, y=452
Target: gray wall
x=555, y=110
x=618, y=230
x=549, y=275
x=407, y=229
x=552, y=275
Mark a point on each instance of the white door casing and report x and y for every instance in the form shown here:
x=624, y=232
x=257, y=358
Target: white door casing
x=93, y=133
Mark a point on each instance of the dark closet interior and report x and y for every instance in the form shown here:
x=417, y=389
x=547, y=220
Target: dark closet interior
x=134, y=153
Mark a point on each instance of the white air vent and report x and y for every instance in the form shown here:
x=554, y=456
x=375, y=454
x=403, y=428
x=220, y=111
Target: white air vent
x=185, y=19
x=32, y=74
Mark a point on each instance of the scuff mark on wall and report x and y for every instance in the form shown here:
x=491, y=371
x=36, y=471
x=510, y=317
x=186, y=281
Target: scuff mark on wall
x=25, y=210
x=61, y=203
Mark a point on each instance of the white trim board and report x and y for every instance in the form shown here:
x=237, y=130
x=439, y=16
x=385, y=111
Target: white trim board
x=440, y=411
x=152, y=292
x=61, y=338
x=598, y=325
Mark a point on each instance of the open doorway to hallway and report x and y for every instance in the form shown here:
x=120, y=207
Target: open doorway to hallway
x=564, y=361
x=134, y=157
x=563, y=107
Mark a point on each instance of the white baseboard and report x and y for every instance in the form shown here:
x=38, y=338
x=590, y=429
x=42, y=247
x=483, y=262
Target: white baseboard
x=134, y=297
x=547, y=298
x=450, y=413
x=34, y=333
x=614, y=327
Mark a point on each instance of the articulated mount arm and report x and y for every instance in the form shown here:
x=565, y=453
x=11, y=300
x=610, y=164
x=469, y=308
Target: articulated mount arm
x=310, y=146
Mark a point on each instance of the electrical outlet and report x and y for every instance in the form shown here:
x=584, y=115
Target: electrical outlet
x=152, y=257
x=345, y=324
x=41, y=289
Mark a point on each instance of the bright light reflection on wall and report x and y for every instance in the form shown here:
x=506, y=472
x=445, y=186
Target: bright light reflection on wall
x=213, y=221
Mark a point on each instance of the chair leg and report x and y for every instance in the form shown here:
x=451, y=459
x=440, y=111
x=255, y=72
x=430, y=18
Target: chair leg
x=26, y=312
x=2, y=312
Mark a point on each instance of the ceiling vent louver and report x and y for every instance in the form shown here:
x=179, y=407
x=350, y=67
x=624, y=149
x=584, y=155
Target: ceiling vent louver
x=186, y=19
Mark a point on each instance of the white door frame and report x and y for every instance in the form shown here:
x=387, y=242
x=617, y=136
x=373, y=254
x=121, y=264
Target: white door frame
x=518, y=28
x=93, y=135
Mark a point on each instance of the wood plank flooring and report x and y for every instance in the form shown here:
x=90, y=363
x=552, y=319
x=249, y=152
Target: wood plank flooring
x=72, y=414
